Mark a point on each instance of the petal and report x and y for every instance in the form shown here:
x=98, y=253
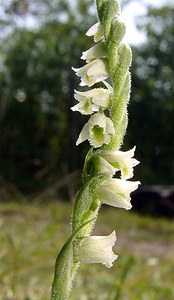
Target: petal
x=84, y=108
x=116, y=192
x=97, y=31
x=92, y=72
x=84, y=135
x=103, y=166
x=97, y=130
x=111, y=198
x=97, y=249
x=110, y=126
x=97, y=68
x=123, y=186
x=94, y=52
x=102, y=99
x=122, y=161
x=99, y=96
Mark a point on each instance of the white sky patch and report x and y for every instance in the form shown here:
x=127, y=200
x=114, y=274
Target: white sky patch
x=129, y=14
x=134, y=9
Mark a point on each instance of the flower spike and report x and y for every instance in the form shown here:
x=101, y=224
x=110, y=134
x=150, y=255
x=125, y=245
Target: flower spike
x=106, y=64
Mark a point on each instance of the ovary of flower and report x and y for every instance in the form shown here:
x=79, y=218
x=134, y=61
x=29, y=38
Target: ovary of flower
x=116, y=192
x=90, y=101
x=97, y=31
x=97, y=249
x=122, y=161
x=97, y=130
x=92, y=72
x=94, y=52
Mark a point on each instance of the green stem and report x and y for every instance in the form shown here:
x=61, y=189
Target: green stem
x=66, y=267
x=118, y=113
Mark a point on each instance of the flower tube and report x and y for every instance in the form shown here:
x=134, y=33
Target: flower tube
x=97, y=249
x=116, y=192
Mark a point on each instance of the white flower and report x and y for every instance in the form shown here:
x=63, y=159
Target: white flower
x=94, y=52
x=97, y=31
x=92, y=72
x=91, y=100
x=97, y=130
x=122, y=161
x=97, y=249
x=116, y=192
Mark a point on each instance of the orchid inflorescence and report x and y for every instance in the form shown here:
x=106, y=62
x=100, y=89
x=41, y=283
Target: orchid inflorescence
x=107, y=65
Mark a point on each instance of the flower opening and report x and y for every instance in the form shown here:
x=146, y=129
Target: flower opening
x=97, y=130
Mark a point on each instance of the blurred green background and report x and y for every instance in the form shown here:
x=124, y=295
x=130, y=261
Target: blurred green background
x=40, y=42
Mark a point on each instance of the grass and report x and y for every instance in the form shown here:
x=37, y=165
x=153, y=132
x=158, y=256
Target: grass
x=31, y=236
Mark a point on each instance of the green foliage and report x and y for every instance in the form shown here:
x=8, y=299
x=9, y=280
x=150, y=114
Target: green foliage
x=37, y=128
x=27, y=254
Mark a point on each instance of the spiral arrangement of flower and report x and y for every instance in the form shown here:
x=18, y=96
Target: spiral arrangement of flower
x=107, y=64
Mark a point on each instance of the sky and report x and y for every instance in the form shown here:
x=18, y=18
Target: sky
x=131, y=12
